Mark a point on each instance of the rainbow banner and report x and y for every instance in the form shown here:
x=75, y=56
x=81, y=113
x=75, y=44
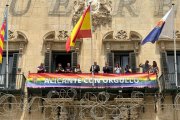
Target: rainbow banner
x=45, y=80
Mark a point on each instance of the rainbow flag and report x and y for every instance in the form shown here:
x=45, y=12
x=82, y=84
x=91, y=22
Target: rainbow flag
x=2, y=37
x=84, y=80
x=81, y=30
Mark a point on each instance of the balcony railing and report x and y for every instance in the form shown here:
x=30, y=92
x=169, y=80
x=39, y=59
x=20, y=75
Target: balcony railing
x=168, y=81
x=15, y=82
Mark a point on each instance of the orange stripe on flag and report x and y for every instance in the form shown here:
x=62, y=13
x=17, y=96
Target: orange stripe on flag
x=68, y=48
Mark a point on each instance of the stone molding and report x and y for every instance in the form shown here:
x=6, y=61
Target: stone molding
x=17, y=41
x=56, y=40
x=115, y=41
x=166, y=44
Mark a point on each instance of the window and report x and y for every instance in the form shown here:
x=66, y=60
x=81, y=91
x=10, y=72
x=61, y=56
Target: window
x=170, y=60
x=13, y=60
x=123, y=58
x=53, y=58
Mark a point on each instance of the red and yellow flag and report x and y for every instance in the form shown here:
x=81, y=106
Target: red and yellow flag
x=81, y=30
x=2, y=36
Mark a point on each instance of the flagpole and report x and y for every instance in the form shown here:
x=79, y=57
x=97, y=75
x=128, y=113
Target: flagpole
x=91, y=44
x=174, y=37
x=7, y=45
x=92, y=67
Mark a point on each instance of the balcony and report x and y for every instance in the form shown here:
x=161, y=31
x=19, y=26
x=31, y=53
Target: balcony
x=167, y=81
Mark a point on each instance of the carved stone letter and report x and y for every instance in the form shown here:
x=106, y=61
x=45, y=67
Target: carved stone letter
x=128, y=4
x=15, y=12
x=60, y=7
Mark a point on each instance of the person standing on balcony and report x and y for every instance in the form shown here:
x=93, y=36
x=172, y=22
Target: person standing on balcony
x=154, y=68
x=68, y=69
x=41, y=68
x=95, y=67
x=145, y=67
x=117, y=69
x=77, y=69
x=106, y=68
x=59, y=68
x=127, y=69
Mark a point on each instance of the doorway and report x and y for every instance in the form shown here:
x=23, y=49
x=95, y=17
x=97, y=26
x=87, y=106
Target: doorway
x=62, y=58
x=123, y=58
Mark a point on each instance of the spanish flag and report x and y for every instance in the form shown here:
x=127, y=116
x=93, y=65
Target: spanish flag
x=2, y=37
x=81, y=30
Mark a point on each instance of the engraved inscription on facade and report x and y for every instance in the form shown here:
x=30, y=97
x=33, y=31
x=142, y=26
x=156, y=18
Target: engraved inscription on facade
x=60, y=7
x=14, y=8
x=121, y=5
x=162, y=6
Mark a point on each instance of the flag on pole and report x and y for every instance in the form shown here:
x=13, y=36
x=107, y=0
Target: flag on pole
x=3, y=36
x=81, y=30
x=163, y=29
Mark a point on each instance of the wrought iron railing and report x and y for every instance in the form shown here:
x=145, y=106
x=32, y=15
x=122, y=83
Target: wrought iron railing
x=15, y=82
x=168, y=81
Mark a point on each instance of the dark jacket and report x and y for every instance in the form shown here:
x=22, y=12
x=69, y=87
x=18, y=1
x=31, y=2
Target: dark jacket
x=96, y=68
x=106, y=69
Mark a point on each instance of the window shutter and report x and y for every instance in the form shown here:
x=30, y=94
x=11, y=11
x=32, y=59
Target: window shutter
x=164, y=65
x=15, y=63
x=110, y=60
x=132, y=61
x=74, y=59
x=47, y=61
x=12, y=77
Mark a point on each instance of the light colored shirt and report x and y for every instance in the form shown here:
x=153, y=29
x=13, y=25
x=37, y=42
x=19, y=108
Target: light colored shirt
x=117, y=70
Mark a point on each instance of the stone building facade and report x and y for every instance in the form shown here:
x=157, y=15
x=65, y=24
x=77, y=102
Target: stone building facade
x=38, y=30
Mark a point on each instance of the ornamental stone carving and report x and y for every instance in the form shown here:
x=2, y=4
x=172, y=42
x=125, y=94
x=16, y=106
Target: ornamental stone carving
x=56, y=40
x=11, y=35
x=17, y=41
x=102, y=16
x=63, y=35
x=121, y=35
x=100, y=12
x=114, y=41
x=78, y=10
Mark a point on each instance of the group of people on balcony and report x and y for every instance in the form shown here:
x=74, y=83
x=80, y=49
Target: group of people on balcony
x=146, y=68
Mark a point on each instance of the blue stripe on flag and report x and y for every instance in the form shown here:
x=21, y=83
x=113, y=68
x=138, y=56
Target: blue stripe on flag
x=153, y=35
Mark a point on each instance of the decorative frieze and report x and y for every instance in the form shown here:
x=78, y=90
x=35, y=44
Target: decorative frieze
x=17, y=41
x=166, y=44
x=120, y=40
x=56, y=40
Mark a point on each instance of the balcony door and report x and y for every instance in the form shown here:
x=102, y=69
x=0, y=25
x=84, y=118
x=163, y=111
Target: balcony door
x=123, y=58
x=52, y=59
